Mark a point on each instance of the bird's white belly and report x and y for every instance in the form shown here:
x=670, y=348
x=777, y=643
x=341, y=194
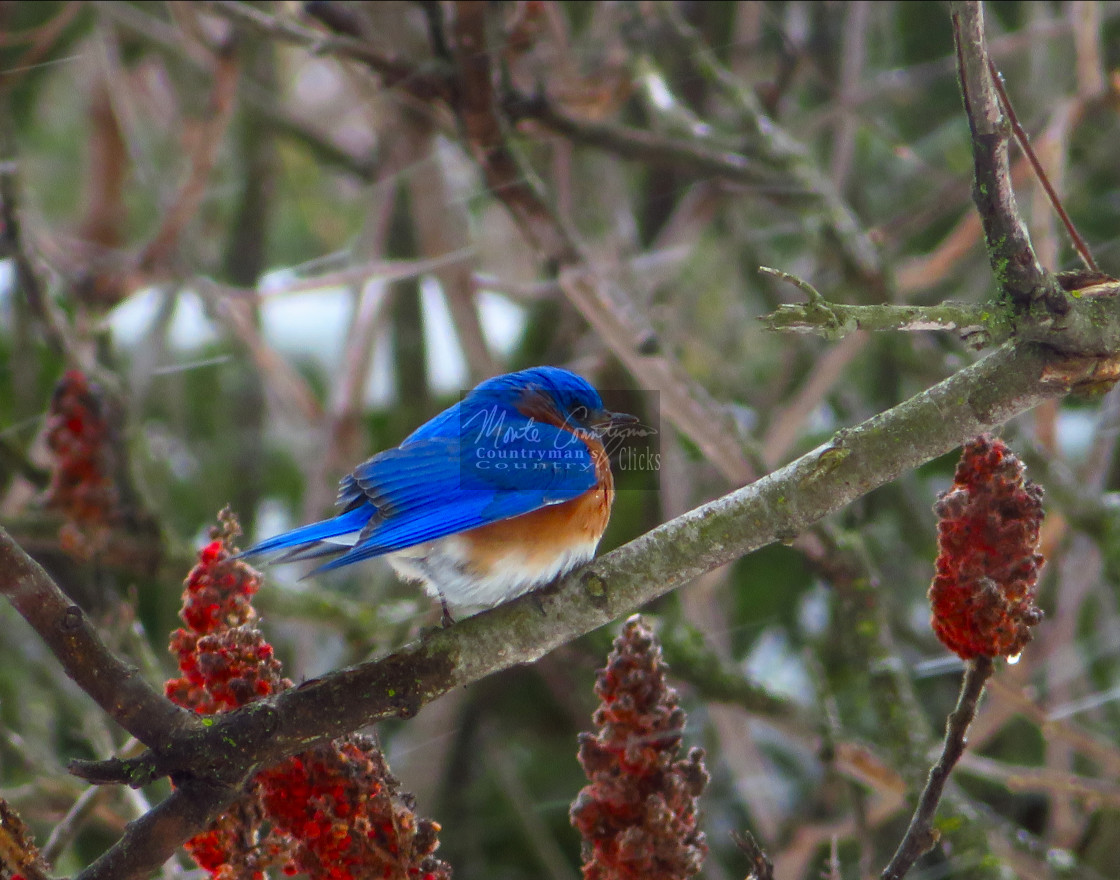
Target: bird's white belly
x=447, y=568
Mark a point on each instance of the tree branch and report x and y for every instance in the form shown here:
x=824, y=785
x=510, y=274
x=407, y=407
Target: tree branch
x=1040, y=174
x=1016, y=268
x=424, y=85
x=1084, y=324
x=688, y=155
x=980, y=326
x=115, y=685
x=152, y=839
x=920, y=836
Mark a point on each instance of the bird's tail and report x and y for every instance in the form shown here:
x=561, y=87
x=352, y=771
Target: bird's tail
x=307, y=542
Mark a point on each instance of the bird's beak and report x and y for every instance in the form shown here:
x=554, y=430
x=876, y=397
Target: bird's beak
x=603, y=420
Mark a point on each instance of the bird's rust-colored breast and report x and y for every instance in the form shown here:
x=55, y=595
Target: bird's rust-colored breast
x=541, y=536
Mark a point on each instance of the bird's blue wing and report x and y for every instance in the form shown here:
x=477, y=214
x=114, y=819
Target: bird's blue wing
x=445, y=425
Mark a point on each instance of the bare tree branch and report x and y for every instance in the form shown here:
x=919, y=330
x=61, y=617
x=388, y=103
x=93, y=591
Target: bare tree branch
x=152, y=839
x=1040, y=173
x=63, y=626
x=345, y=43
x=920, y=836
x=1017, y=271
x=226, y=69
x=640, y=145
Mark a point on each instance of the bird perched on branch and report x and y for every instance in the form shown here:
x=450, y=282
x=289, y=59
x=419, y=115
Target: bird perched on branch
x=503, y=492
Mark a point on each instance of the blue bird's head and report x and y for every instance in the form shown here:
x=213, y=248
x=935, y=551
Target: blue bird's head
x=554, y=396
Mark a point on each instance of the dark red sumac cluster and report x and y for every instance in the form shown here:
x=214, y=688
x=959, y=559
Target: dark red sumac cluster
x=639, y=816
x=224, y=659
x=983, y=594
x=79, y=436
x=331, y=813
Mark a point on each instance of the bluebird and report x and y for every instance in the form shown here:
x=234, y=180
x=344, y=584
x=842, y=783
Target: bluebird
x=501, y=493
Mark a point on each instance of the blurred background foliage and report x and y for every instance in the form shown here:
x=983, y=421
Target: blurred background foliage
x=280, y=264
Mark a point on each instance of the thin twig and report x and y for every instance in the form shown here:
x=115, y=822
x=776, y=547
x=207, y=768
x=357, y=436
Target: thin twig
x=1088, y=743
x=787, y=423
x=290, y=388
x=42, y=40
x=13, y=245
x=69, y=825
x=715, y=678
x=800, y=283
x=1048, y=780
x=853, y=56
x=66, y=630
x=45, y=32
x=340, y=432
x=1025, y=145
x=379, y=271
x=441, y=226
x=760, y=866
x=649, y=267
x=188, y=200
x=689, y=155
x=538, y=835
x=919, y=273
x=920, y=836
x=425, y=85
x=1034, y=35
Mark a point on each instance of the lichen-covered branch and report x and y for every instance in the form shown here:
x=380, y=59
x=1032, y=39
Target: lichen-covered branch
x=978, y=325
x=981, y=326
x=1080, y=324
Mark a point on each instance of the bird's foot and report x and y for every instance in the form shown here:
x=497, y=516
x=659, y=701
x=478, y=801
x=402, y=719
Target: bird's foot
x=446, y=620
